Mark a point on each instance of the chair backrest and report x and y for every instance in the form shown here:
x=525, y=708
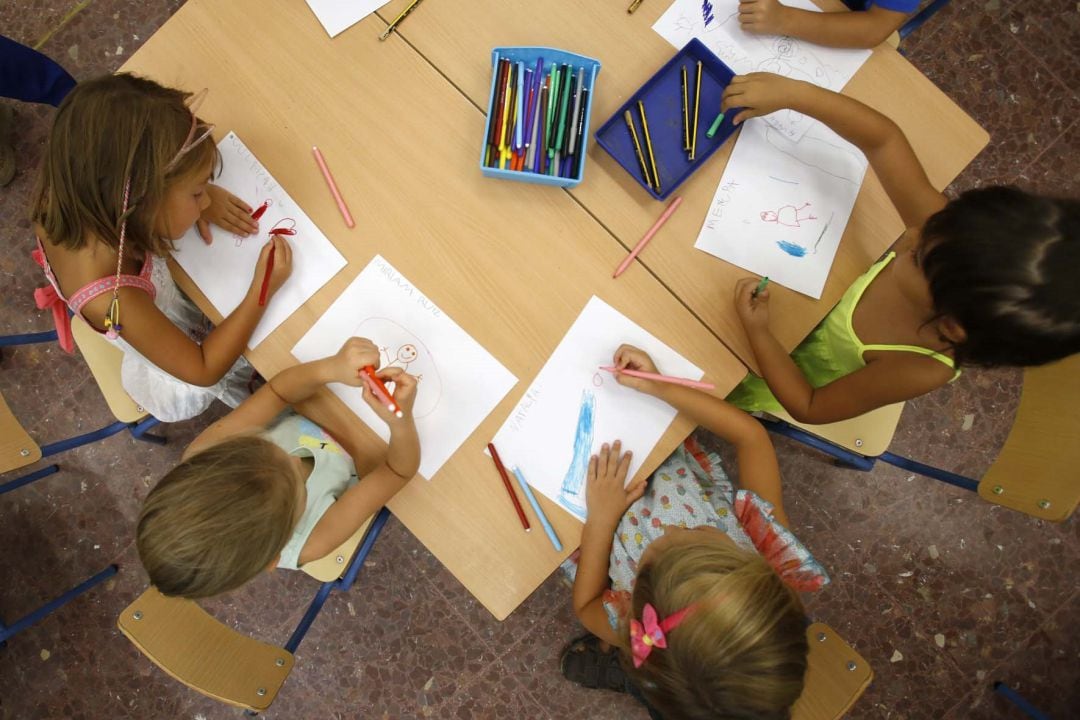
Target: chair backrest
x=868, y=434
x=192, y=646
x=334, y=565
x=17, y=448
x=835, y=678
x=1036, y=472
x=103, y=358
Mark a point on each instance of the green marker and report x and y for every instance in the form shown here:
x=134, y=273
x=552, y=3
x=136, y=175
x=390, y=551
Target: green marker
x=715, y=125
x=760, y=286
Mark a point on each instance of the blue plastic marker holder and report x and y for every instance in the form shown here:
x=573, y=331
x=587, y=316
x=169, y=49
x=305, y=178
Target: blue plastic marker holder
x=662, y=96
x=529, y=56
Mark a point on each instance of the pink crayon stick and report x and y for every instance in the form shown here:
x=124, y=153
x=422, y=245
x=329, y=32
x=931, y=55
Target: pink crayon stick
x=648, y=236
x=659, y=378
x=333, y=187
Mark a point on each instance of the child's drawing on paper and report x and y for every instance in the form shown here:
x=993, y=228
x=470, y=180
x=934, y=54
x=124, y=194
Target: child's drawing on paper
x=572, y=491
x=788, y=215
x=400, y=348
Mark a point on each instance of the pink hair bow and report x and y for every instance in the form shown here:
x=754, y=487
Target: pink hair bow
x=649, y=633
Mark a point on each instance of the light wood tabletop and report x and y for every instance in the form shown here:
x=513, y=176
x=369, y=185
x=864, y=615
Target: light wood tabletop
x=459, y=42
x=513, y=264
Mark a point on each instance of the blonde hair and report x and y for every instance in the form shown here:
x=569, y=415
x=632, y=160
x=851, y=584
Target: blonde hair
x=106, y=131
x=740, y=654
x=217, y=519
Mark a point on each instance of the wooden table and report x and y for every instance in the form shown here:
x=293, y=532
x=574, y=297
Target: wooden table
x=459, y=44
x=513, y=264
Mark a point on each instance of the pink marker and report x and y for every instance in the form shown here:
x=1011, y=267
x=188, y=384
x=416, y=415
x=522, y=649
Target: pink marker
x=659, y=378
x=648, y=236
x=333, y=186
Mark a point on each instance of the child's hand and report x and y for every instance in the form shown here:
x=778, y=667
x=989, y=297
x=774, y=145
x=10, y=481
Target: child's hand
x=354, y=354
x=758, y=93
x=282, y=265
x=404, y=394
x=763, y=17
x=753, y=311
x=605, y=493
x=226, y=211
x=628, y=357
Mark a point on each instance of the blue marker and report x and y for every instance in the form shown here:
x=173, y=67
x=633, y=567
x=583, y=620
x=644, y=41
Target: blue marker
x=536, y=509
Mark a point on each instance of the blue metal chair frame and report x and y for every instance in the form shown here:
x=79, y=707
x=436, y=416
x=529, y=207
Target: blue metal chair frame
x=1019, y=701
x=27, y=338
x=866, y=463
x=914, y=22
x=8, y=631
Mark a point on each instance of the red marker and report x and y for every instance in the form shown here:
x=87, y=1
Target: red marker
x=378, y=389
x=269, y=269
x=258, y=212
x=509, y=488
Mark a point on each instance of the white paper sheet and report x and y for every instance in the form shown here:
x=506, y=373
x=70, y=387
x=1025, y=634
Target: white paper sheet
x=338, y=15
x=224, y=270
x=782, y=206
x=716, y=23
x=572, y=407
x=459, y=381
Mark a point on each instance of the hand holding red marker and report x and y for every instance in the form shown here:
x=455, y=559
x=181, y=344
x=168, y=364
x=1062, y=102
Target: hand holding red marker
x=378, y=389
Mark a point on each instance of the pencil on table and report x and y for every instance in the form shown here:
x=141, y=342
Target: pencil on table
x=685, y=112
x=697, y=107
x=648, y=145
x=637, y=148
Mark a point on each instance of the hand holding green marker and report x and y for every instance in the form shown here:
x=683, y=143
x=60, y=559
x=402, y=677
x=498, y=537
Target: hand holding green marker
x=760, y=286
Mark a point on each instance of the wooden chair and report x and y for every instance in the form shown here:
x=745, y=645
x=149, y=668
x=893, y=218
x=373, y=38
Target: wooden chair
x=18, y=450
x=835, y=678
x=864, y=438
x=193, y=647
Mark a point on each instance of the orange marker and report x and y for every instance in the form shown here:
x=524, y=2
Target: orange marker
x=378, y=389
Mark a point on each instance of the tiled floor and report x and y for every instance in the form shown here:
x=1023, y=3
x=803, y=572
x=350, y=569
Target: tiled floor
x=940, y=591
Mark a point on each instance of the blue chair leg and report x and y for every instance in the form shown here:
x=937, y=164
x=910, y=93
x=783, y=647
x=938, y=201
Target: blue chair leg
x=7, y=631
x=29, y=478
x=920, y=17
x=1019, y=701
x=929, y=471
x=342, y=583
x=845, y=457
x=139, y=431
x=27, y=338
x=85, y=439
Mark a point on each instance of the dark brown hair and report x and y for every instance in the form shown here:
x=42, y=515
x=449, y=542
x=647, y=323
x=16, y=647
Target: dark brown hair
x=107, y=130
x=217, y=519
x=740, y=654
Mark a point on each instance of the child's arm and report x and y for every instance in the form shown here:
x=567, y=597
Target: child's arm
x=364, y=499
x=289, y=387
x=897, y=377
x=161, y=342
x=758, y=469
x=227, y=212
x=880, y=139
x=607, y=500
x=862, y=29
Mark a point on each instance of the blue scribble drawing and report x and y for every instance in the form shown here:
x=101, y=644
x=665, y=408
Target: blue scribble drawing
x=791, y=248
x=572, y=492
x=707, y=12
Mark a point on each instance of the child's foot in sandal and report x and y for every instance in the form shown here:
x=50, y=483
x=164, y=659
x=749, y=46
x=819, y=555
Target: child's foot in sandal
x=587, y=664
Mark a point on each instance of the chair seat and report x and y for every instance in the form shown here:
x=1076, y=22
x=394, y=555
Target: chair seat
x=334, y=564
x=868, y=434
x=192, y=646
x=17, y=448
x=103, y=358
x=835, y=678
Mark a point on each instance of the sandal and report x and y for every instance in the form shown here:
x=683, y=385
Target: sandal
x=584, y=663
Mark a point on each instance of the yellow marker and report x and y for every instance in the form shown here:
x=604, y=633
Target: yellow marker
x=648, y=145
x=697, y=105
x=637, y=148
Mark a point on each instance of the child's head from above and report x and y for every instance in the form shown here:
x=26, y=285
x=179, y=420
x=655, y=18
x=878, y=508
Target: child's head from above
x=220, y=517
x=998, y=267
x=740, y=652
x=118, y=129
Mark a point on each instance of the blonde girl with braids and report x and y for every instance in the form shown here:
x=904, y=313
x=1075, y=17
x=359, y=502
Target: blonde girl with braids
x=689, y=587
x=126, y=173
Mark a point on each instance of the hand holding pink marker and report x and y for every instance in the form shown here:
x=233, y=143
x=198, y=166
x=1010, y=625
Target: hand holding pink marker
x=697, y=384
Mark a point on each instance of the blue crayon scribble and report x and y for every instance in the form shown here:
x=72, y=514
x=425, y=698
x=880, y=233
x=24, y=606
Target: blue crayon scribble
x=707, y=12
x=572, y=492
x=791, y=248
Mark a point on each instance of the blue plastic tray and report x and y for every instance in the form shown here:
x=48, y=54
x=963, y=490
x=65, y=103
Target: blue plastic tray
x=662, y=96
x=529, y=55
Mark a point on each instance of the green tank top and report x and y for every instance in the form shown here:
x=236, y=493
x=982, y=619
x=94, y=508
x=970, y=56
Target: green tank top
x=831, y=351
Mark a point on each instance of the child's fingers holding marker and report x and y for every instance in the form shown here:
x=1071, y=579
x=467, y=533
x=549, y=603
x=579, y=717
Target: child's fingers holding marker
x=405, y=386
x=753, y=310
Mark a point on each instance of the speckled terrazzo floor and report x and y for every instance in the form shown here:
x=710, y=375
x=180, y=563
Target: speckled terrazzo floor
x=940, y=591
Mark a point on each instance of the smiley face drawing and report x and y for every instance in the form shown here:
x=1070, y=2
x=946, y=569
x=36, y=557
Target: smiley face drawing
x=400, y=348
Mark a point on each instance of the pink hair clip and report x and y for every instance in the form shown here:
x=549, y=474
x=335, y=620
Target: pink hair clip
x=649, y=634
x=191, y=141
